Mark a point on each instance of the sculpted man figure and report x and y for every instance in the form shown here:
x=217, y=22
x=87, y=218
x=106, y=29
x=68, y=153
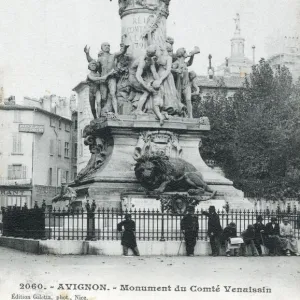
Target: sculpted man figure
x=94, y=81
x=180, y=67
x=141, y=78
x=106, y=63
x=194, y=86
x=167, y=100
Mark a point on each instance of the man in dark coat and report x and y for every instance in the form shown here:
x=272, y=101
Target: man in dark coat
x=249, y=237
x=272, y=233
x=214, y=230
x=128, y=237
x=190, y=227
x=259, y=229
x=229, y=232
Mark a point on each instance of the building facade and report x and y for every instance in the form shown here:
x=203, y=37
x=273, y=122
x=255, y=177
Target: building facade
x=36, y=154
x=84, y=118
x=288, y=56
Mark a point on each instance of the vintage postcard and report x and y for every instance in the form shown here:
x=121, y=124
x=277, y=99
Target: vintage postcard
x=149, y=149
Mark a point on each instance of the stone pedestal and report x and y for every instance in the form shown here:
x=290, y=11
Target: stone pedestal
x=128, y=137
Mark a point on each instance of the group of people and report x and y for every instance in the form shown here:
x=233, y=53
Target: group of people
x=277, y=238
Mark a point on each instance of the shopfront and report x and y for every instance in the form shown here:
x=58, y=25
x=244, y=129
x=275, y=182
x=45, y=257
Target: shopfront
x=11, y=196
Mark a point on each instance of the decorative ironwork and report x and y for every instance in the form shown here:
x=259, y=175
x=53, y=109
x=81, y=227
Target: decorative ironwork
x=101, y=223
x=178, y=203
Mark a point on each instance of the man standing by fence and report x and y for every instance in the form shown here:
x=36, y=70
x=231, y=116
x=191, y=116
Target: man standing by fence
x=128, y=236
x=214, y=230
x=190, y=227
x=272, y=233
x=259, y=229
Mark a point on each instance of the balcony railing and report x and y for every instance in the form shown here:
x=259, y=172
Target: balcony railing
x=16, y=181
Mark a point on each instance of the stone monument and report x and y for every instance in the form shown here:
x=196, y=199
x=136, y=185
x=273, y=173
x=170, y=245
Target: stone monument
x=143, y=140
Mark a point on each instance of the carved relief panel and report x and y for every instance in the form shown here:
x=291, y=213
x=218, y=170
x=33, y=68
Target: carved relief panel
x=163, y=141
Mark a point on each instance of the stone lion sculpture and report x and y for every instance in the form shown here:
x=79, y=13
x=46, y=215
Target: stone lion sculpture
x=160, y=173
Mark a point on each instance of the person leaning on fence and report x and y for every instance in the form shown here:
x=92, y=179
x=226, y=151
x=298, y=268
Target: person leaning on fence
x=228, y=233
x=249, y=237
x=287, y=241
x=190, y=226
x=259, y=229
x=214, y=230
x=272, y=240
x=128, y=237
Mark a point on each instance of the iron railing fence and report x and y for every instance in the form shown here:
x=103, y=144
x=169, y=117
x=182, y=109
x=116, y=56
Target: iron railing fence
x=101, y=223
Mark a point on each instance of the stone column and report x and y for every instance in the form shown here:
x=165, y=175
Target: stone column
x=143, y=23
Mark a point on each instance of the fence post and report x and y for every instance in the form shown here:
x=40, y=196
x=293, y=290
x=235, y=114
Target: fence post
x=90, y=220
x=162, y=236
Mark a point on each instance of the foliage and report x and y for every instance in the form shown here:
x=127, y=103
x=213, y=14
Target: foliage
x=218, y=143
x=256, y=137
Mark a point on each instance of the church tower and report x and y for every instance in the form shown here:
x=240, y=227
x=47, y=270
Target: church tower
x=237, y=64
x=237, y=42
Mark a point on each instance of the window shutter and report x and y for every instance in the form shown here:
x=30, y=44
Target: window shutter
x=19, y=143
x=59, y=147
x=14, y=143
x=24, y=172
x=9, y=172
x=51, y=147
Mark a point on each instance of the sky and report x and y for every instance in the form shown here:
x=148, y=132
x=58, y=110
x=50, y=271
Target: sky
x=42, y=41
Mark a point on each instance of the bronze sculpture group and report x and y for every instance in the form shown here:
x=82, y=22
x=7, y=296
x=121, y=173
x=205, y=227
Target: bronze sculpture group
x=158, y=82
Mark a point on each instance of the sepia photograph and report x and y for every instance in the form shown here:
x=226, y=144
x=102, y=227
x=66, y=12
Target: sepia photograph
x=150, y=149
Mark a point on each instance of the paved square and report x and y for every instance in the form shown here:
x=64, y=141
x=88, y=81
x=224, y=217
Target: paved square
x=117, y=277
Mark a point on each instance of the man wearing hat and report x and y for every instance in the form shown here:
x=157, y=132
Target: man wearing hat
x=228, y=233
x=190, y=227
x=272, y=237
x=214, y=230
x=128, y=237
x=248, y=236
x=259, y=229
x=287, y=239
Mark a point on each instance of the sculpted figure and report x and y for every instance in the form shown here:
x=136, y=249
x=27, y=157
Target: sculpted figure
x=194, y=86
x=94, y=80
x=98, y=153
x=141, y=77
x=159, y=173
x=123, y=4
x=180, y=68
x=66, y=193
x=166, y=100
x=122, y=75
x=237, y=23
x=169, y=47
x=106, y=62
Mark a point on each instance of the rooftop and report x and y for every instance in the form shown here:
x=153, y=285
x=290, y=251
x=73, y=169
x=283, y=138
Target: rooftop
x=32, y=108
x=233, y=82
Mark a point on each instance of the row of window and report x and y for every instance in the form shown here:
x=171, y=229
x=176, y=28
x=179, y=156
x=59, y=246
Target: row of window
x=62, y=176
x=59, y=145
x=18, y=149
x=53, y=124
x=18, y=119
x=17, y=171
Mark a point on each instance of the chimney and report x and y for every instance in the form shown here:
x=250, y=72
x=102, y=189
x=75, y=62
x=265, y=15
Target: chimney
x=226, y=69
x=210, y=68
x=253, y=54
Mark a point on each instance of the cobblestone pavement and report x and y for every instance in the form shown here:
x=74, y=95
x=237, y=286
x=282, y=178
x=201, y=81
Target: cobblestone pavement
x=196, y=277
